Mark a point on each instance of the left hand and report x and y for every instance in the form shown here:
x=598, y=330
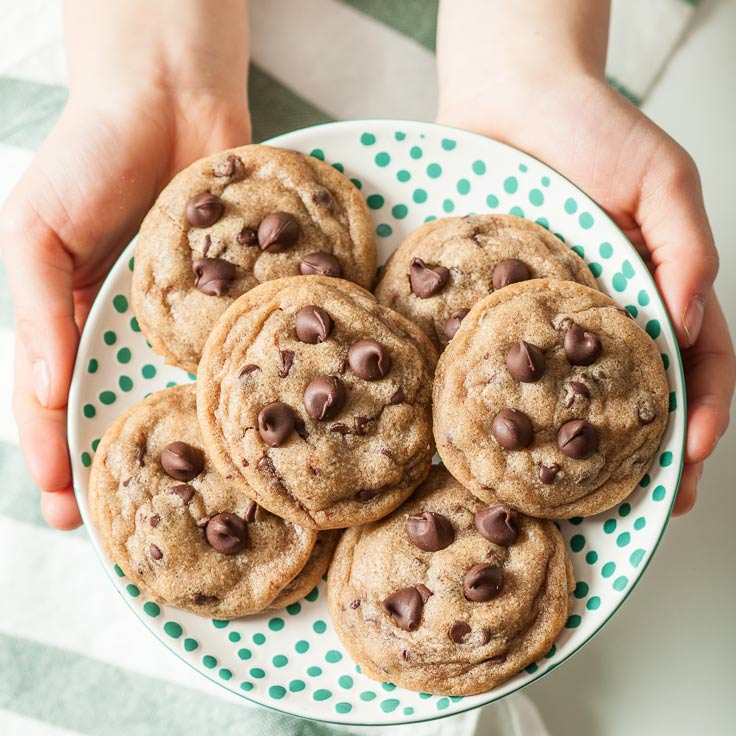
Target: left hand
x=650, y=186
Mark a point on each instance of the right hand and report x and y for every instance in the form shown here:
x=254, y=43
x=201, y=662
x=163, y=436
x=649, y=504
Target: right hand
x=74, y=210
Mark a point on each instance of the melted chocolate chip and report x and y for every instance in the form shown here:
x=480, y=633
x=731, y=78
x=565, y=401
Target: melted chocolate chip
x=155, y=520
x=287, y=360
x=204, y=209
x=453, y=323
x=341, y=428
x=366, y=494
x=646, y=410
x=360, y=423
x=458, y=631
x=430, y=531
x=498, y=524
x=405, y=608
x=212, y=276
x=398, y=396
x=207, y=245
x=185, y=492
x=321, y=264
x=510, y=271
x=313, y=325
x=226, y=533
x=324, y=397
x=548, y=473
x=155, y=552
x=250, y=513
x=483, y=582
x=426, y=279
x=576, y=389
x=182, y=461
x=512, y=429
x=248, y=236
x=355, y=603
x=226, y=168
x=581, y=347
x=369, y=360
x=424, y=591
x=577, y=439
x=276, y=422
x=199, y=599
x=277, y=231
x=248, y=369
x=526, y=362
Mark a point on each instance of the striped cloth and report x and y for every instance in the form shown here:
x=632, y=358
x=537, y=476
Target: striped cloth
x=72, y=659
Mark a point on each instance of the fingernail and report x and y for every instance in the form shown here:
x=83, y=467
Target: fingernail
x=41, y=383
x=693, y=319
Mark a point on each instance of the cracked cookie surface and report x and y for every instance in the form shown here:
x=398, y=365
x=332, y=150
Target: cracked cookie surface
x=236, y=219
x=318, y=399
x=190, y=539
x=448, y=595
x=551, y=398
x=443, y=267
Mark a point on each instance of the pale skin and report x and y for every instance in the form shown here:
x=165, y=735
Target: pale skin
x=181, y=94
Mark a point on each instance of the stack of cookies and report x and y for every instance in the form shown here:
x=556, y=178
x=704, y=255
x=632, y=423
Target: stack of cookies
x=318, y=407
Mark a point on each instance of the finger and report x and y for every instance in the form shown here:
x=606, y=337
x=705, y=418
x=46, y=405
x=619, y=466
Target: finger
x=687, y=493
x=676, y=229
x=40, y=272
x=710, y=376
x=42, y=432
x=60, y=510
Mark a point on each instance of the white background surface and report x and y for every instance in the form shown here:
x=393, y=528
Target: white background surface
x=663, y=665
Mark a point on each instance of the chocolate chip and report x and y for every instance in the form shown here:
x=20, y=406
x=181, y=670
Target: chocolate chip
x=548, y=473
x=248, y=369
x=581, y=347
x=646, y=410
x=483, y=582
x=182, y=461
x=512, y=429
x=154, y=520
x=360, y=424
x=226, y=168
x=405, y=655
x=366, y=494
x=424, y=591
x=526, y=362
x=226, y=533
x=248, y=236
x=430, y=531
x=576, y=389
x=577, y=439
x=498, y=659
x=342, y=367
x=341, y=428
x=369, y=360
x=301, y=428
x=453, y=323
x=207, y=244
x=155, y=552
x=324, y=397
x=426, y=279
x=276, y=421
x=398, y=396
x=387, y=453
x=486, y=636
x=277, y=231
x=250, y=513
x=287, y=360
x=458, y=631
x=313, y=324
x=200, y=599
x=140, y=452
x=405, y=608
x=185, y=492
x=355, y=603
x=204, y=209
x=322, y=264
x=510, y=271
x=498, y=524
x=212, y=276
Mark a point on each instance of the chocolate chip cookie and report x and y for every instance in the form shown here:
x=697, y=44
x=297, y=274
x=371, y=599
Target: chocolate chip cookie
x=436, y=275
x=316, y=400
x=177, y=527
x=449, y=595
x=232, y=221
x=551, y=398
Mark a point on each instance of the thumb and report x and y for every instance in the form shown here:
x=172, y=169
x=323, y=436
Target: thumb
x=40, y=272
x=675, y=227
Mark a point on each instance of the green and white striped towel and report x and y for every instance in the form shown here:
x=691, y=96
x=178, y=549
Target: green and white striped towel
x=72, y=659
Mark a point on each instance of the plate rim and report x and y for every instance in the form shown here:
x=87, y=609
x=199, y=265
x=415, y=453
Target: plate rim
x=277, y=141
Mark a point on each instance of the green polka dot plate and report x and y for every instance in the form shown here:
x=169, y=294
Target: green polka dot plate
x=409, y=173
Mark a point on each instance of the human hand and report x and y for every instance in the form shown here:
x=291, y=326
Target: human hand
x=650, y=186
x=119, y=141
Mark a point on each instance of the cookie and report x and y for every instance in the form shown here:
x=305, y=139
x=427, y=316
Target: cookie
x=551, y=398
x=442, y=268
x=176, y=526
x=232, y=221
x=316, y=400
x=449, y=595
x=311, y=573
